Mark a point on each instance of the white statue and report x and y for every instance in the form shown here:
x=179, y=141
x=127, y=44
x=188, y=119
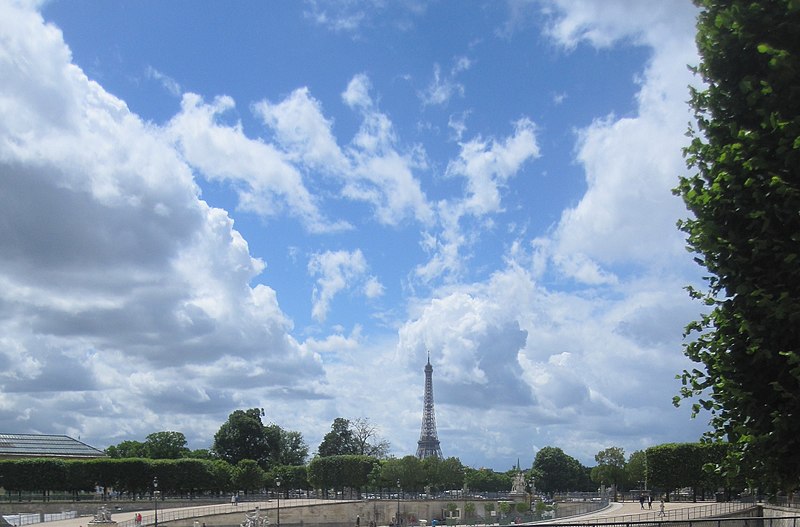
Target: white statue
x=518, y=485
x=254, y=519
x=103, y=515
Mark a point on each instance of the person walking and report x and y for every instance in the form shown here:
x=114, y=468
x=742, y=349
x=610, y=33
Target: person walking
x=661, y=507
x=650, y=502
x=641, y=501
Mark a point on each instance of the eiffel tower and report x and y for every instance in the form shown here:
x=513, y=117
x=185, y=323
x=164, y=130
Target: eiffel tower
x=428, y=444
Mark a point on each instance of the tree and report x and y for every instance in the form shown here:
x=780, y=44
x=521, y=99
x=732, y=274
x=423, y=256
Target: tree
x=339, y=441
x=241, y=437
x=487, y=480
x=367, y=440
x=247, y=475
x=678, y=465
x=610, y=467
x=338, y=472
x=127, y=449
x=166, y=445
x=244, y=436
x=290, y=476
x=744, y=196
x=294, y=449
x=558, y=471
x=442, y=474
x=635, y=469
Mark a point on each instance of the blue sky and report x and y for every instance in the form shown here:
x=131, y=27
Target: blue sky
x=210, y=206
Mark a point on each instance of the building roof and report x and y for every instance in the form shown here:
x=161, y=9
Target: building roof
x=36, y=445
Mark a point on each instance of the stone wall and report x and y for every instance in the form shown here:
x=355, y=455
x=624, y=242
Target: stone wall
x=382, y=512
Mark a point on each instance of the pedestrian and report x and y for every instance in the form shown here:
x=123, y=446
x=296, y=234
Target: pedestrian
x=358, y=520
x=641, y=500
x=661, y=507
x=650, y=502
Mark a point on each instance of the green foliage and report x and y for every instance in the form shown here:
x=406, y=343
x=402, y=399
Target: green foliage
x=127, y=449
x=409, y=471
x=220, y=476
x=440, y=474
x=487, y=480
x=635, y=469
x=678, y=465
x=340, y=471
x=158, y=445
x=294, y=449
x=469, y=509
x=248, y=476
x=744, y=197
x=558, y=471
x=291, y=477
x=166, y=445
x=244, y=436
x=132, y=475
x=340, y=441
x=610, y=466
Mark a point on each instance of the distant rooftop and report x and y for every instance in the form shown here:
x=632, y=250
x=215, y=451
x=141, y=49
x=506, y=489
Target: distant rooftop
x=35, y=445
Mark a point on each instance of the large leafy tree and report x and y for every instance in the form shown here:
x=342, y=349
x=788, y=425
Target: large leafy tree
x=243, y=436
x=744, y=196
x=558, y=471
x=636, y=470
x=166, y=445
x=340, y=441
x=294, y=449
x=610, y=467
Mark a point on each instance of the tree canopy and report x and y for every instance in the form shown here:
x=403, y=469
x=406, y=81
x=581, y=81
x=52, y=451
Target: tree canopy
x=556, y=471
x=358, y=437
x=339, y=441
x=610, y=467
x=244, y=436
x=166, y=445
x=744, y=197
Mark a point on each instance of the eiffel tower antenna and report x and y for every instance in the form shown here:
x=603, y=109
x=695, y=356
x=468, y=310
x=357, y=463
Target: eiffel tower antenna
x=428, y=444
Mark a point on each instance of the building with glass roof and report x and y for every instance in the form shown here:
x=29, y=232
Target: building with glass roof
x=18, y=446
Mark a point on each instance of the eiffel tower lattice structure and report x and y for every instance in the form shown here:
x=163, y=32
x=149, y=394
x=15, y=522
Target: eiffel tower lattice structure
x=428, y=444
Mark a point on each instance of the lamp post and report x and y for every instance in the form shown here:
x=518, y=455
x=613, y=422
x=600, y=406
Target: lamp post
x=155, y=500
x=278, y=483
x=464, y=495
x=398, y=502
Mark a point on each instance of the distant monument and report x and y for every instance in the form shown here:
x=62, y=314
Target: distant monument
x=518, y=485
x=428, y=444
x=102, y=518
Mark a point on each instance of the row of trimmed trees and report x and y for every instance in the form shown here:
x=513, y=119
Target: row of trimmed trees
x=666, y=468
x=189, y=477
x=663, y=468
